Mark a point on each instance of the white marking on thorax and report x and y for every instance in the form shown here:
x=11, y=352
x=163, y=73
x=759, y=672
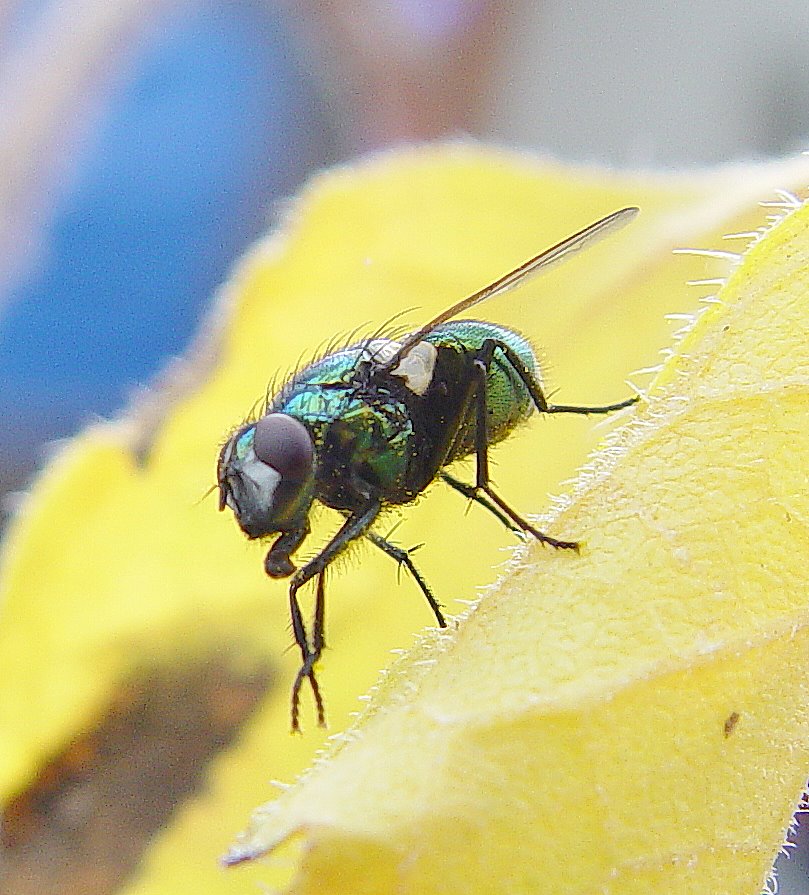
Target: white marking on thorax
x=416, y=368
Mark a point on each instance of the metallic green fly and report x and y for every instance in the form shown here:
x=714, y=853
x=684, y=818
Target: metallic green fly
x=372, y=425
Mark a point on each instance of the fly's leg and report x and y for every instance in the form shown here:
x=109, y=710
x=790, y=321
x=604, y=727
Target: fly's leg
x=310, y=656
x=403, y=558
x=471, y=493
x=354, y=527
x=535, y=390
x=606, y=408
x=482, y=363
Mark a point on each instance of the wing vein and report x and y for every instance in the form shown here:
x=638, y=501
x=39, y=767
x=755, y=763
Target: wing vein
x=540, y=263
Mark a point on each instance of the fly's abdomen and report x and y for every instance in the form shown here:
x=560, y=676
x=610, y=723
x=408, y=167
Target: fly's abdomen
x=507, y=399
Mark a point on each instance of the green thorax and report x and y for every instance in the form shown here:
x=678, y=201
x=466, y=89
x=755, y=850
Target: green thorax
x=369, y=436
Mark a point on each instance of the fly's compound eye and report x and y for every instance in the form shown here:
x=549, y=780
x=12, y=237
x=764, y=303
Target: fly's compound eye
x=284, y=443
x=266, y=475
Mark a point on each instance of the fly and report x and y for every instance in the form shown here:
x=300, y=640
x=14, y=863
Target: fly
x=372, y=425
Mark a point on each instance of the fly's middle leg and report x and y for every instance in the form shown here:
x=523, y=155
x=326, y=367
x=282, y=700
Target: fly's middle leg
x=403, y=558
x=482, y=363
x=471, y=493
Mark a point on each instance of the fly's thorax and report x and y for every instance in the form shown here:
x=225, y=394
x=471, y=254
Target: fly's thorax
x=339, y=368
x=266, y=475
x=363, y=441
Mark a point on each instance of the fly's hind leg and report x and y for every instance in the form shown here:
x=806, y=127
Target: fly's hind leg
x=482, y=364
x=535, y=390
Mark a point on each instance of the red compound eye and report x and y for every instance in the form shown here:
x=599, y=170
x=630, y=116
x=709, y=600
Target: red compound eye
x=284, y=443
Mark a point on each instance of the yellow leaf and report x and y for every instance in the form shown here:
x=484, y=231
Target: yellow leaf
x=115, y=573
x=632, y=720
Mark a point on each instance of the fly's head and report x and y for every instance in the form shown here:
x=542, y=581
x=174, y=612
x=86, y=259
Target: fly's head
x=266, y=475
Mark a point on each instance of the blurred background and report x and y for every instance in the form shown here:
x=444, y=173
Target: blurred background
x=144, y=146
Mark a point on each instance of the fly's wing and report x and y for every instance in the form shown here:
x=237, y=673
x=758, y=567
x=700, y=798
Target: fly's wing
x=539, y=263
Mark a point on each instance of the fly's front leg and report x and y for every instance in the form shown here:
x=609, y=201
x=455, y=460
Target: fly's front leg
x=309, y=655
x=354, y=527
x=403, y=558
x=482, y=363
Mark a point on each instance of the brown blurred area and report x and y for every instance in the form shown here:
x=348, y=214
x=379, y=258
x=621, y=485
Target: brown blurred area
x=409, y=71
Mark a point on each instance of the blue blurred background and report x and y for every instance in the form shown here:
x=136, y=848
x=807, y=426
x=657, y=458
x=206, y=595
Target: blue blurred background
x=168, y=184
x=143, y=145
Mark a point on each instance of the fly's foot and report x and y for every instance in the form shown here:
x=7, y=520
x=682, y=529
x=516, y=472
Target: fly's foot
x=554, y=542
x=523, y=524
x=307, y=670
x=548, y=540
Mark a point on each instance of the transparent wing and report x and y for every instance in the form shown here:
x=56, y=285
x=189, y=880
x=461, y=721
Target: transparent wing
x=539, y=263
